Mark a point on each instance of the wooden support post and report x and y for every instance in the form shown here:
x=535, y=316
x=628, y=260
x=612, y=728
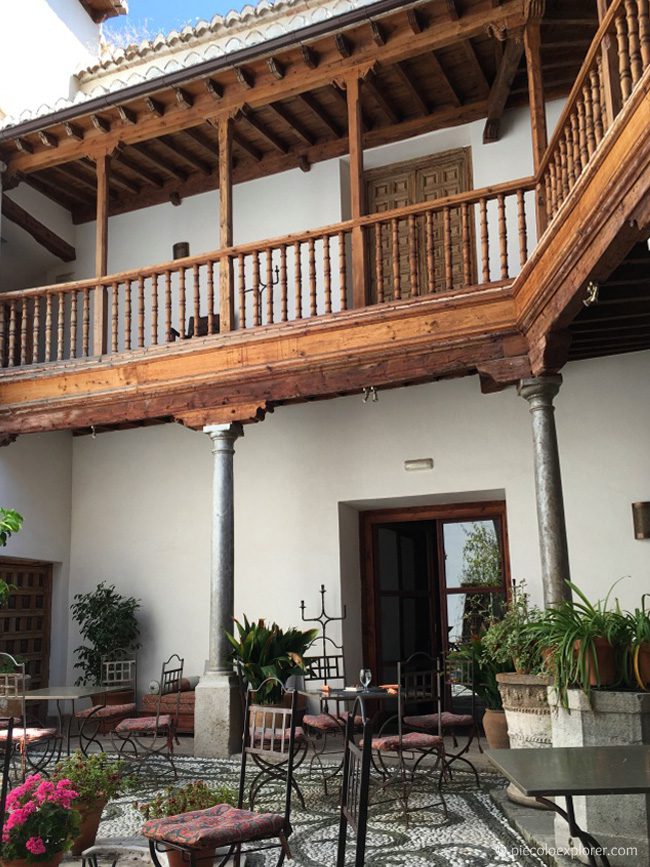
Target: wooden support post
x=100, y=312
x=532, y=46
x=610, y=73
x=357, y=192
x=226, y=300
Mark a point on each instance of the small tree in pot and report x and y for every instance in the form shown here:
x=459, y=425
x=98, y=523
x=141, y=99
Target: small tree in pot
x=10, y=523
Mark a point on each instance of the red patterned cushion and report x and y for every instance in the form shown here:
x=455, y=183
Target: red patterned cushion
x=222, y=825
x=325, y=722
x=411, y=741
x=144, y=724
x=429, y=721
x=106, y=711
x=278, y=737
x=29, y=735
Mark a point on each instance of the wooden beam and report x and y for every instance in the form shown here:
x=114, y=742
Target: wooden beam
x=357, y=192
x=537, y=103
x=196, y=162
x=248, y=148
x=381, y=98
x=403, y=73
x=73, y=131
x=127, y=115
x=247, y=114
x=48, y=140
x=500, y=91
x=156, y=161
x=202, y=140
x=310, y=57
x=62, y=195
x=610, y=68
x=100, y=307
x=48, y=239
x=137, y=169
x=226, y=289
x=316, y=109
x=475, y=64
x=276, y=68
x=294, y=125
x=438, y=69
x=154, y=107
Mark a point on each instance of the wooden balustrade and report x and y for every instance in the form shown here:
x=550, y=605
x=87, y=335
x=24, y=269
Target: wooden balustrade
x=615, y=63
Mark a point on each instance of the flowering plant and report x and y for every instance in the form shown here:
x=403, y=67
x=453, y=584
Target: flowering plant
x=39, y=821
x=184, y=799
x=94, y=777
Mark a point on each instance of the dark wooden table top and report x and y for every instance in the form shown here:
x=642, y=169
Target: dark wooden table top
x=615, y=770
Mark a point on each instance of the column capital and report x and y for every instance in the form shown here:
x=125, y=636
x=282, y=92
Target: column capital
x=539, y=391
x=224, y=434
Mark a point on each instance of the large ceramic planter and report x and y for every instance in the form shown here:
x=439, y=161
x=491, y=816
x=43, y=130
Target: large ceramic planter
x=496, y=729
x=54, y=861
x=91, y=816
x=528, y=715
x=606, y=718
x=600, y=671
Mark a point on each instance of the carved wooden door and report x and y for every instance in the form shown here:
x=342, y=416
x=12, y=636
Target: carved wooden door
x=25, y=620
x=402, y=184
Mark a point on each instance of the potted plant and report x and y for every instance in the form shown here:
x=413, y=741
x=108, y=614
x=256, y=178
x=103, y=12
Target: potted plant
x=175, y=800
x=40, y=822
x=10, y=523
x=97, y=779
x=107, y=620
x=263, y=652
x=638, y=623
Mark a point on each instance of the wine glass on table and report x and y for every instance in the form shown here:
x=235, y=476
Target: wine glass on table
x=365, y=676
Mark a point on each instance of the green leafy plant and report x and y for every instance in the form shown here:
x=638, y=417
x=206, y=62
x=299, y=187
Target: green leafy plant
x=40, y=821
x=481, y=557
x=175, y=800
x=269, y=652
x=107, y=620
x=638, y=625
x=485, y=668
x=95, y=776
x=10, y=523
x=509, y=640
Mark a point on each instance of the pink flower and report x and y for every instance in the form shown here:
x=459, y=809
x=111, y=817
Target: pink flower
x=15, y=796
x=44, y=791
x=36, y=846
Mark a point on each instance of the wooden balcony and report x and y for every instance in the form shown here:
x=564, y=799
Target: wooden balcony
x=444, y=288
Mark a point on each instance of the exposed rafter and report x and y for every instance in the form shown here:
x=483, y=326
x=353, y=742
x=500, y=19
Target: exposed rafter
x=500, y=91
x=48, y=239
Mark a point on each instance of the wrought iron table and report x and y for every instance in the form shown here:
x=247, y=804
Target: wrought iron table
x=570, y=771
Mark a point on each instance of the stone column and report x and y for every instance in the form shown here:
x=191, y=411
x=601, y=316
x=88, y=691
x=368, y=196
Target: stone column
x=539, y=392
x=217, y=715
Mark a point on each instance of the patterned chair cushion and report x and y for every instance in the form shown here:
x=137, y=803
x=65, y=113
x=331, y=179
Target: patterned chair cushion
x=411, y=741
x=278, y=737
x=429, y=721
x=222, y=825
x=325, y=722
x=28, y=735
x=106, y=711
x=145, y=724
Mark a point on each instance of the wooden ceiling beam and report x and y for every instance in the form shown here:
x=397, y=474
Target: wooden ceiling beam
x=296, y=127
x=44, y=236
x=195, y=134
x=401, y=45
x=318, y=111
x=500, y=90
x=137, y=169
x=475, y=65
x=403, y=73
x=244, y=145
x=158, y=162
x=249, y=116
x=446, y=83
x=62, y=195
x=381, y=99
x=74, y=173
x=172, y=147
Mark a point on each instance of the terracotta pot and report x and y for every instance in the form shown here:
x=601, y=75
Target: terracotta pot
x=175, y=858
x=54, y=861
x=91, y=814
x=643, y=663
x=496, y=729
x=605, y=673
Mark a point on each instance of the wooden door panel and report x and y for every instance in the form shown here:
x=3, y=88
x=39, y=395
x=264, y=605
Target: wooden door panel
x=25, y=621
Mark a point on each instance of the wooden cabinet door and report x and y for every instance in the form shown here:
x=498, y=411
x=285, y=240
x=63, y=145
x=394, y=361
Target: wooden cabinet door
x=25, y=620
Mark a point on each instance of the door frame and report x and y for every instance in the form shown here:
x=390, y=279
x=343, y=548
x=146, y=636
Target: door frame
x=370, y=629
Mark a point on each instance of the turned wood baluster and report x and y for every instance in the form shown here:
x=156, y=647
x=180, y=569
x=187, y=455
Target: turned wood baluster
x=624, y=70
x=284, y=291
x=583, y=154
x=523, y=232
x=182, y=305
x=312, y=277
x=48, y=327
x=503, y=236
x=2, y=334
x=343, y=292
x=36, y=328
x=644, y=31
x=596, y=107
x=154, y=310
x=127, y=314
x=413, y=260
x=589, y=121
x=297, y=278
x=141, y=314
x=446, y=236
x=73, y=324
x=397, y=289
x=241, y=289
x=636, y=67
x=60, y=325
x=554, y=187
x=327, y=274
x=269, y=286
x=168, y=306
x=485, y=243
x=256, y=288
x=209, y=265
x=563, y=186
x=12, y=334
x=115, y=299
x=548, y=190
x=431, y=270
x=85, y=334
x=465, y=238
x=601, y=90
x=573, y=151
x=197, y=298
x=379, y=265
x=23, y=331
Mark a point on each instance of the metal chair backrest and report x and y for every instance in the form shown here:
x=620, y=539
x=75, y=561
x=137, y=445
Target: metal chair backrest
x=120, y=670
x=457, y=680
x=171, y=679
x=12, y=687
x=355, y=791
x=269, y=734
x=326, y=667
x=418, y=679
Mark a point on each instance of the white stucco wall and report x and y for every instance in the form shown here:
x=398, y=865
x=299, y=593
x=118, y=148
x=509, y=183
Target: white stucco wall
x=141, y=498
x=36, y=480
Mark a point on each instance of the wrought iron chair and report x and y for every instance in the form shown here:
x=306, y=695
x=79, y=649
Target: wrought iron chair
x=35, y=745
x=269, y=731
x=118, y=670
x=455, y=676
x=6, y=726
x=355, y=791
x=150, y=736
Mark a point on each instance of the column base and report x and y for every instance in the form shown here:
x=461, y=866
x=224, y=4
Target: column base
x=217, y=717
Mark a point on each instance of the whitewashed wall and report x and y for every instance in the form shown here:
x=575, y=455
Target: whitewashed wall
x=141, y=498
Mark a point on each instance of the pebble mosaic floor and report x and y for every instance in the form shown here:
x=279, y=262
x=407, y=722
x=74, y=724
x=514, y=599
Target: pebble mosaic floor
x=475, y=834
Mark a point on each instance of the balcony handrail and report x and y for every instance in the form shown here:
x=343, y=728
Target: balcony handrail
x=578, y=86
x=120, y=277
